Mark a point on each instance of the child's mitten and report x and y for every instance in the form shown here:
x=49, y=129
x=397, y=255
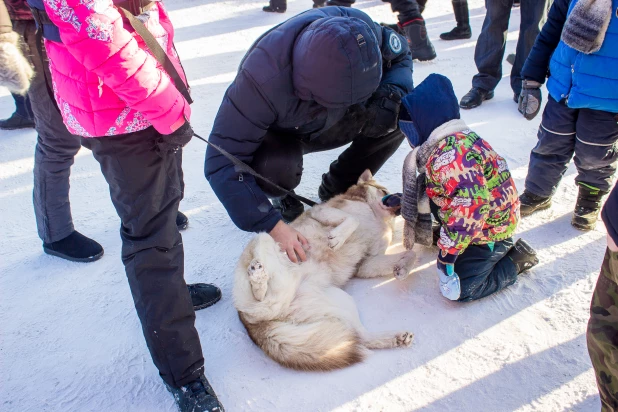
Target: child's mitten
x=449, y=281
x=530, y=99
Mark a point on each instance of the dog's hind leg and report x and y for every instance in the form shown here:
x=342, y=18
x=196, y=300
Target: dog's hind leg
x=344, y=223
x=388, y=341
x=258, y=279
x=399, y=265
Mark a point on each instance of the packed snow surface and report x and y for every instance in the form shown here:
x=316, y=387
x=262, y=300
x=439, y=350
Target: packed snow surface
x=70, y=339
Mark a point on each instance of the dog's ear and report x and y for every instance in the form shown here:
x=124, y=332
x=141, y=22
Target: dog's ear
x=365, y=177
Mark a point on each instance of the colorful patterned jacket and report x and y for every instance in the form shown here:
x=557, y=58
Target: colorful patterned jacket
x=474, y=189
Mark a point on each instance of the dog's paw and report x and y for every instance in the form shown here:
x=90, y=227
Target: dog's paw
x=258, y=279
x=402, y=269
x=404, y=340
x=335, y=240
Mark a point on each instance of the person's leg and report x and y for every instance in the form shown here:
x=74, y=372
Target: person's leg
x=596, y=157
x=406, y=9
x=276, y=6
x=602, y=333
x=412, y=23
x=483, y=270
x=22, y=116
x=462, y=16
x=551, y=156
x=491, y=43
x=54, y=153
x=596, y=154
x=145, y=190
x=533, y=15
x=364, y=153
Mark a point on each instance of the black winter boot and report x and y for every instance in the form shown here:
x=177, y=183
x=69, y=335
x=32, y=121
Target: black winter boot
x=475, y=97
x=523, y=256
x=75, y=247
x=531, y=203
x=182, y=221
x=587, y=207
x=16, y=121
x=275, y=7
x=203, y=295
x=420, y=46
x=289, y=208
x=463, y=30
x=196, y=396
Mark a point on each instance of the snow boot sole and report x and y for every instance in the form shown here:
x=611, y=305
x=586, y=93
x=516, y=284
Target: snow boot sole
x=73, y=259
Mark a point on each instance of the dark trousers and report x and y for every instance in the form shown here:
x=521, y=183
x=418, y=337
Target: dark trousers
x=280, y=157
x=55, y=149
x=602, y=333
x=22, y=106
x=483, y=271
x=589, y=135
x=146, y=188
x=491, y=43
x=406, y=9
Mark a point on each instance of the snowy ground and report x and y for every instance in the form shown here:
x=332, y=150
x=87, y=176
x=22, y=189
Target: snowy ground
x=70, y=339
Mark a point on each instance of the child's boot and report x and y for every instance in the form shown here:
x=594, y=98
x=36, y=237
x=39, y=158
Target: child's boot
x=523, y=256
x=587, y=207
x=531, y=203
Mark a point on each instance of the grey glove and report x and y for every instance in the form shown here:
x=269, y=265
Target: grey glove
x=530, y=99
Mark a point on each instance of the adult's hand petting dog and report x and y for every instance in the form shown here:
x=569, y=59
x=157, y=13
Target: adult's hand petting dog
x=291, y=241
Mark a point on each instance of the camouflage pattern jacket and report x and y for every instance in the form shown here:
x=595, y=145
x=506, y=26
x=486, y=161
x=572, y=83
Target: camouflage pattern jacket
x=473, y=187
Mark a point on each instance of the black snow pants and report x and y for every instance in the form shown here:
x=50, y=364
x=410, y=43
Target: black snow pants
x=406, y=9
x=55, y=149
x=146, y=188
x=588, y=135
x=280, y=157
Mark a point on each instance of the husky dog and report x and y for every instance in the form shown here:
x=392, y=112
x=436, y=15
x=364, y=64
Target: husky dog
x=297, y=313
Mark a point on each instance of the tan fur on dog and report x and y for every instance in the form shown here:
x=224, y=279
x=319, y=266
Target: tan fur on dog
x=298, y=314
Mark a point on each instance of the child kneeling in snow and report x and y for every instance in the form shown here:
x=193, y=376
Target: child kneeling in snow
x=458, y=177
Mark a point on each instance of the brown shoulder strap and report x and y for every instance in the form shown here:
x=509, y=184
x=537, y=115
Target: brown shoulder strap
x=157, y=51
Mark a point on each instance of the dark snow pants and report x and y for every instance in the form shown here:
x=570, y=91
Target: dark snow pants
x=491, y=43
x=590, y=135
x=55, y=149
x=483, y=270
x=146, y=188
x=280, y=157
x=406, y=9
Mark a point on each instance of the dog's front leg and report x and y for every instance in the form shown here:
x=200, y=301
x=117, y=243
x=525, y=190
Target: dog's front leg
x=344, y=223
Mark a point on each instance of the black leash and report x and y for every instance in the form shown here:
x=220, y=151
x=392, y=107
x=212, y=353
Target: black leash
x=243, y=167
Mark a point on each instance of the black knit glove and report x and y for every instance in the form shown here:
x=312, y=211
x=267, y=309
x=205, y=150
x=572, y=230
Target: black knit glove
x=382, y=113
x=171, y=143
x=530, y=99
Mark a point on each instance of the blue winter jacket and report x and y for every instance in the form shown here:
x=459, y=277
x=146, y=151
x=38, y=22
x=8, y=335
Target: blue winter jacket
x=287, y=84
x=586, y=80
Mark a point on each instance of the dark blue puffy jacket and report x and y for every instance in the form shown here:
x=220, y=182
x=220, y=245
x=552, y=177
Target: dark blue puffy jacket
x=299, y=79
x=585, y=80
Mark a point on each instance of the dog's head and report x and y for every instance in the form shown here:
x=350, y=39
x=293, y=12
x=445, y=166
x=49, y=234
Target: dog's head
x=366, y=189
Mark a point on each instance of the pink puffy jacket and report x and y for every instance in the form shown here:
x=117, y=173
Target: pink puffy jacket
x=104, y=79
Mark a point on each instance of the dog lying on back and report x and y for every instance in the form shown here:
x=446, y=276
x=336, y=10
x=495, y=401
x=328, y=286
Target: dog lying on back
x=298, y=314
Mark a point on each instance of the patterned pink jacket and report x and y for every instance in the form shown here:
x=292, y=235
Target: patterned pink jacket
x=105, y=81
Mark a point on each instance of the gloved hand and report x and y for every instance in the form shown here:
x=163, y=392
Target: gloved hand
x=382, y=112
x=393, y=202
x=449, y=281
x=530, y=99
x=171, y=143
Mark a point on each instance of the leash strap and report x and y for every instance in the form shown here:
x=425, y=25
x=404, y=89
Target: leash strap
x=243, y=167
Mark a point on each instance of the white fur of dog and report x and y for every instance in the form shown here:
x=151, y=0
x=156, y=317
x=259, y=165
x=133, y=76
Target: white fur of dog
x=15, y=70
x=297, y=313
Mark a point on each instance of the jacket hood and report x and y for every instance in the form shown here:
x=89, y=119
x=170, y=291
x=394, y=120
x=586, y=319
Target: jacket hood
x=429, y=106
x=337, y=62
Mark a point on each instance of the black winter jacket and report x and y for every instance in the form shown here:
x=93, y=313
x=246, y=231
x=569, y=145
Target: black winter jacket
x=273, y=90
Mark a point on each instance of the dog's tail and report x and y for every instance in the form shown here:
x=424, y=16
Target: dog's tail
x=323, y=345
